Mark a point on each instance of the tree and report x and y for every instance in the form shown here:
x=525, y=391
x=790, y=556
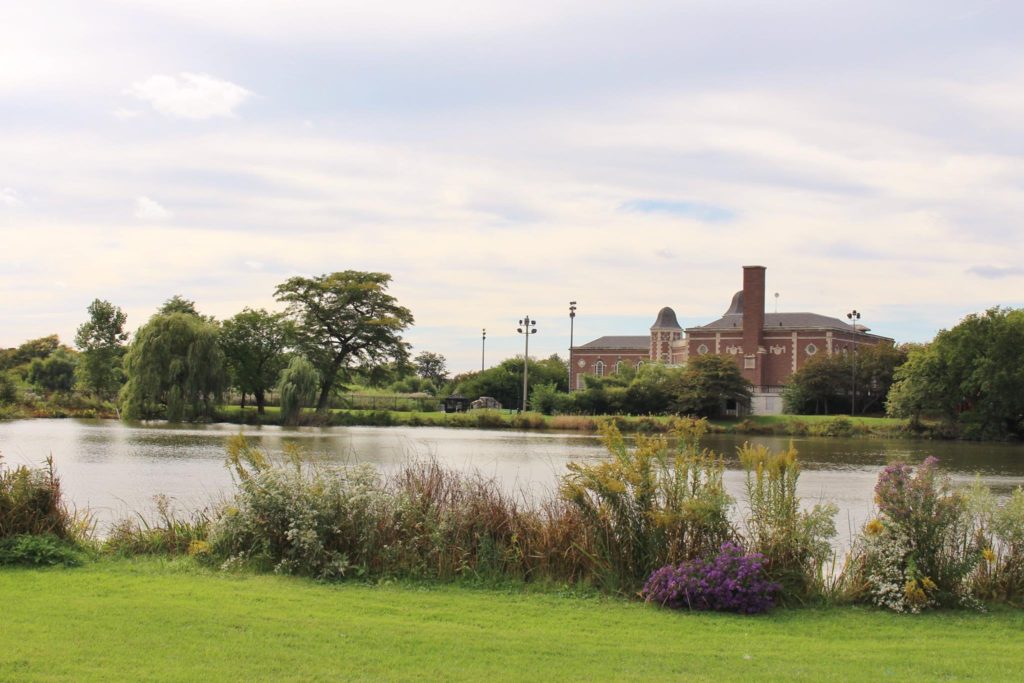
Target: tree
x=345, y=321
x=101, y=341
x=297, y=388
x=24, y=354
x=54, y=373
x=174, y=367
x=254, y=343
x=972, y=376
x=709, y=383
x=179, y=304
x=431, y=366
x=818, y=386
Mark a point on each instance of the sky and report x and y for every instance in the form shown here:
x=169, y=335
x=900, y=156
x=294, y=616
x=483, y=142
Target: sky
x=500, y=159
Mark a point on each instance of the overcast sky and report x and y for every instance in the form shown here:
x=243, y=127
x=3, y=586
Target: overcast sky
x=503, y=158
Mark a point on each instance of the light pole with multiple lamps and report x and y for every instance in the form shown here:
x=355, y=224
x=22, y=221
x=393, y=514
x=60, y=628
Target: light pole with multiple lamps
x=483, y=347
x=572, y=319
x=854, y=316
x=526, y=327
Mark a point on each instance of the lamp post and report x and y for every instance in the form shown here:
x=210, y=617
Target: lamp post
x=526, y=327
x=853, y=316
x=572, y=319
x=483, y=347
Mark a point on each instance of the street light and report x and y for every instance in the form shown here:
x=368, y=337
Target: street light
x=483, y=347
x=572, y=319
x=526, y=327
x=853, y=316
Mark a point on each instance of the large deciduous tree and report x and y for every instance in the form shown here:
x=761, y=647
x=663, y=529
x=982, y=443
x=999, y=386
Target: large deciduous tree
x=254, y=344
x=431, y=366
x=174, y=367
x=101, y=340
x=345, y=321
x=971, y=375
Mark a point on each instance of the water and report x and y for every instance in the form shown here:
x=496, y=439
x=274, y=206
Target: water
x=114, y=469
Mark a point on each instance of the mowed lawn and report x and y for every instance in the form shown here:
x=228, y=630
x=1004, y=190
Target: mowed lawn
x=154, y=620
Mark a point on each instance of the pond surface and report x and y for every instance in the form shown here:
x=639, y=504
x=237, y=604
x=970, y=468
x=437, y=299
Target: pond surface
x=114, y=469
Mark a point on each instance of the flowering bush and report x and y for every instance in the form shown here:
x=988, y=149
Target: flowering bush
x=922, y=547
x=732, y=582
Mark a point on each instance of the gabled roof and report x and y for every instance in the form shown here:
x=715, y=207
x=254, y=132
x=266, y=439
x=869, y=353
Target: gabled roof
x=801, y=321
x=633, y=343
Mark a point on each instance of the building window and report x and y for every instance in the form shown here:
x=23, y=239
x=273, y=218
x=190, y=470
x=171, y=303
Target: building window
x=749, y=362
x=579, y=381
x=811, y=349
x=618, y=367
x=638, y=364
x=599, y=368
x=702, y=349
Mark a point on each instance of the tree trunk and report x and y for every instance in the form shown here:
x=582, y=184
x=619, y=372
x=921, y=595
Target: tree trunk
x=260, y=401
x=325, y=394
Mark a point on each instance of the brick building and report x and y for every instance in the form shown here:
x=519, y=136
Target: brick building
x=768, y=347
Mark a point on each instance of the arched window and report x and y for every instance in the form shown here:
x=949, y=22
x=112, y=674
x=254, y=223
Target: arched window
x=638, y=364
x=618, y=367
x=599, y=368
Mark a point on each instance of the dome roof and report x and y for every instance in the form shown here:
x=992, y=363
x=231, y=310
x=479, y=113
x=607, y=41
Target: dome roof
x=736, y=307
x=666, y=319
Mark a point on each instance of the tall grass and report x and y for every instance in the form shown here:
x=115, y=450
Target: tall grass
x=31, y=502
x=794, y=542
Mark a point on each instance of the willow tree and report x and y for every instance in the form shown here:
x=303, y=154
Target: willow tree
x=297, y=388
x=174, y=368
x=345, y=322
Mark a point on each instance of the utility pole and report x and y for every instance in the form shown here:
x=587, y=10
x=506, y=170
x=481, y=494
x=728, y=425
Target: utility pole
x=853, y=317
x=572, y=320
x=526, y=327
x=483, y=348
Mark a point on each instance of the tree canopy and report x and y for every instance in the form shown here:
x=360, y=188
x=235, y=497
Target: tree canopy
x=101, y=340
x=345, y=321
x=431, y=366
x=971, y=376
x=254, y=344
x=175, y=368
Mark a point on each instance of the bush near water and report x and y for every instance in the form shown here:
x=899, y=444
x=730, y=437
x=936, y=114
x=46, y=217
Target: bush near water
x=653, y=520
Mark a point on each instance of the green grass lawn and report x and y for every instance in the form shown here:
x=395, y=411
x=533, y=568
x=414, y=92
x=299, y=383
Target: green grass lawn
x=154, y=620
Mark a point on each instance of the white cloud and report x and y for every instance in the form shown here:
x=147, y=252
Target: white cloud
x=190, y=96
x=149, y=210
x=8, y=197
x=124, y=114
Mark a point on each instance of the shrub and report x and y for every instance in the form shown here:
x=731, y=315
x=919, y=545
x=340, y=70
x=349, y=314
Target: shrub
x=922, y=547
x=46, y=550
x=732, y=582
x=31, y=503
x=649, y=506
x=794, y=542
x=423, y=521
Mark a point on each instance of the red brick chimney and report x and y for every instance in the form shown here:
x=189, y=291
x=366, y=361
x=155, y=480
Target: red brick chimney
x=753, y=324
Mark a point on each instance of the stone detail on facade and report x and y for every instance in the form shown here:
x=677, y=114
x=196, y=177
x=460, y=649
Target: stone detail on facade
x=778, y=350
x=733, y=349
x=811, y=349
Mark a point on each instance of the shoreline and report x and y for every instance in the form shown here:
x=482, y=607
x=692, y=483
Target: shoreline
x=842, y=426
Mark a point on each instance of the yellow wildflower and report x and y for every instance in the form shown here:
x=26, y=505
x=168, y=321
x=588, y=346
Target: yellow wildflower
x=988, y=555
x=874, y=527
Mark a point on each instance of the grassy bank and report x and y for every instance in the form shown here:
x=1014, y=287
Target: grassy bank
x=782, y=425
x=160, y=620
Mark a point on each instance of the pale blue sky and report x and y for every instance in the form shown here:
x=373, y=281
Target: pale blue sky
x=503, y=158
